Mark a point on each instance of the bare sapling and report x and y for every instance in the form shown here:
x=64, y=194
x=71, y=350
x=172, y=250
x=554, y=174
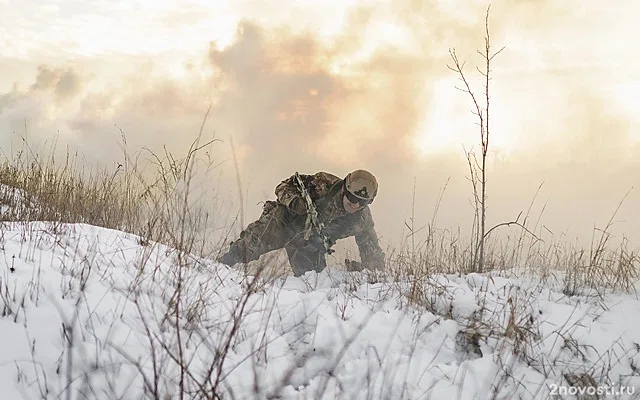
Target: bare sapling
x=478, y=168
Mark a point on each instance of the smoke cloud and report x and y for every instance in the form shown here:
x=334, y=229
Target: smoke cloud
x=370, y=94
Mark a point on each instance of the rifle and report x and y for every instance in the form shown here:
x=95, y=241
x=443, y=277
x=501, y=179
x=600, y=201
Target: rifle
x=312, y=223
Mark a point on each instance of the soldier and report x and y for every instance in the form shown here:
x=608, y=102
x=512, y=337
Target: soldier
x=342, y=207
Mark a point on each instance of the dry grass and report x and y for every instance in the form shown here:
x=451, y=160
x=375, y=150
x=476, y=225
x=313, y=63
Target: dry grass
x=147, y=194
x=152, y=195
x=529, y=249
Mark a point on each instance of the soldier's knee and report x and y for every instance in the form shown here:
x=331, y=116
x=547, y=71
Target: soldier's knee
x=302, y=261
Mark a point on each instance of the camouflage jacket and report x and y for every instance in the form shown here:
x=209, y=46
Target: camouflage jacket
x=339, y=224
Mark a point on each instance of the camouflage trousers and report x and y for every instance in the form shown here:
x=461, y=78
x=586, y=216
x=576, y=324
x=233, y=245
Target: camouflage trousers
x=276, y=228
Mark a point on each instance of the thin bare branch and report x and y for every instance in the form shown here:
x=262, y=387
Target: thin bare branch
x=513, y=223
x=497, y=52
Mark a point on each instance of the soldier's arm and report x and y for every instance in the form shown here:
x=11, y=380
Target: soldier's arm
x=371, y=254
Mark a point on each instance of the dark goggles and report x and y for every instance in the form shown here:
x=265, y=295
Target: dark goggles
x=353, y=199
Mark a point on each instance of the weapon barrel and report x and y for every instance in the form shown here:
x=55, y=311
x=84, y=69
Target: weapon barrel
x=312, y=216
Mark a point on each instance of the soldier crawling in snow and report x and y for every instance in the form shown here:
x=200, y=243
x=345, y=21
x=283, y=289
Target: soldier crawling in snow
x=342, y=207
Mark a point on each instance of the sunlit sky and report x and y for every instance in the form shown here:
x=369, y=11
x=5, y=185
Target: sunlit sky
x=353, y=83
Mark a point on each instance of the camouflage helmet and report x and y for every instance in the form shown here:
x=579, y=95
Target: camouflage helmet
x=362, y=184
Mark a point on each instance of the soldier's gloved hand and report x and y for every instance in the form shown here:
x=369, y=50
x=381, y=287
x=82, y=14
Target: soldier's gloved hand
x=298, y=206
x=317, y=242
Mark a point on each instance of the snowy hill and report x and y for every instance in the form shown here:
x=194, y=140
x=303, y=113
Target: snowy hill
x=94, y=313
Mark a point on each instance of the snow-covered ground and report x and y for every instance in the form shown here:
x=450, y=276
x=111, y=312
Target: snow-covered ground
x=90, y=313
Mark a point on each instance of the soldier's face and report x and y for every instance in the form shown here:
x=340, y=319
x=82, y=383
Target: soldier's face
x=349, y=206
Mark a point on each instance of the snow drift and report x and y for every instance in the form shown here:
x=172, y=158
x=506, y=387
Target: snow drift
x=96, y=313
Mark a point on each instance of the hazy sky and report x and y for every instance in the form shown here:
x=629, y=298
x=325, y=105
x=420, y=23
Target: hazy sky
x=314, y=85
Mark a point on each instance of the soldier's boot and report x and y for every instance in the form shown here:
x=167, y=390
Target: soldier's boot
x=231, y=257
x=251, y=244
x=249, y=247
